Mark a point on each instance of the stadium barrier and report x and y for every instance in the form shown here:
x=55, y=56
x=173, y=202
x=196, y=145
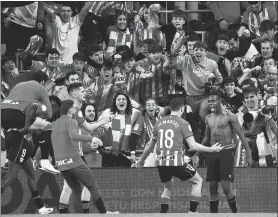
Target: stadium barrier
x=138, y=191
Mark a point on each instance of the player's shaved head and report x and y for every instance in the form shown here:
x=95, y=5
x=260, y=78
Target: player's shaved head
x=73, y=87
x=176, y=104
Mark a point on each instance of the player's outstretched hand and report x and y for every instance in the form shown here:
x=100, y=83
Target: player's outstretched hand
x=96, y=142
x=216, y=147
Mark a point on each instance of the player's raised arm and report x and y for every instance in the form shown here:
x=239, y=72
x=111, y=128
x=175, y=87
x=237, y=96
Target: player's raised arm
x=237, y=129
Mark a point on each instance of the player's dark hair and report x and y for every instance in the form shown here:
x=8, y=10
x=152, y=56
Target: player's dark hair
x=232, y=34
x=38, y=76
x=250, y=90
x=70, y=74
x=74, y=86
x=200, y=44
x=51, y=51
x=84, y=106
x=56, y=99
x=228, y=80
x=176, y=104
x=78, y=56
x=128, y=109
x=65, y=107
x=178, y=13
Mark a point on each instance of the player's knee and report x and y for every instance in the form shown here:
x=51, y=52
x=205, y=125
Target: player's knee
x=169, y=185
x=226, y=190
x=66, y=189
x=226, y=186
x=196, y=180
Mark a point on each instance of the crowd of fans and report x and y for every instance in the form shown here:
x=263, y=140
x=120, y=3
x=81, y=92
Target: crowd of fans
x=119, y=54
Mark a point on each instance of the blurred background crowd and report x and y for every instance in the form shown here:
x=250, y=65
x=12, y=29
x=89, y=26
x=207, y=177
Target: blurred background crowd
x=151, y=52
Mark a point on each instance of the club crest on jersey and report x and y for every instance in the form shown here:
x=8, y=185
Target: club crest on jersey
x=136, y=127
x=80, y=114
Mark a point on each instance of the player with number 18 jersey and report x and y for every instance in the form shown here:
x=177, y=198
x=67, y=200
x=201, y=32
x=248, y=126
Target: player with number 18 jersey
x=170, y=133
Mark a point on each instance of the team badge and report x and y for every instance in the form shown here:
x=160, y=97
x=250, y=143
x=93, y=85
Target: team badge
x=136, y=127
x=80, y=114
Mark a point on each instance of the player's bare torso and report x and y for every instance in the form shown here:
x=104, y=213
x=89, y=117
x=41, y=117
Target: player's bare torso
x=220, y=128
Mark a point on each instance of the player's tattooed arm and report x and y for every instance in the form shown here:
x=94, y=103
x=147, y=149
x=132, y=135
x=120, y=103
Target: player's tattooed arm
x=238, y=130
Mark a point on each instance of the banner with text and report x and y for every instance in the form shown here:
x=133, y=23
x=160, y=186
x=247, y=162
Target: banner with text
x=139, y=191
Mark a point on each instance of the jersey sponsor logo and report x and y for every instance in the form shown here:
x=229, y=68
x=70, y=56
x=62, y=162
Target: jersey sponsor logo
x=8, y=101
x=64, y=162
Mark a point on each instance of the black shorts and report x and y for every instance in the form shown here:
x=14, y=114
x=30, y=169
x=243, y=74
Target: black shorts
x=220, y=166
x=184, y=172
x=84, y=175
x=18, y=148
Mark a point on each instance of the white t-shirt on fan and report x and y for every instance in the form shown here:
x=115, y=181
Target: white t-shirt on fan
x=65, y=38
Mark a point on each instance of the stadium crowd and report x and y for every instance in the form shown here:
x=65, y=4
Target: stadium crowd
x=111, y=57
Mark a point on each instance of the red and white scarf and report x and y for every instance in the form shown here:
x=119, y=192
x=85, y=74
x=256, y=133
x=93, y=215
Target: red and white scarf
x=255, y=20
x=117, y=38
x=121, y=134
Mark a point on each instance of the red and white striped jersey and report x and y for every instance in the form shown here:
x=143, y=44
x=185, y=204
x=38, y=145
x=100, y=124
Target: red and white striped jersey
x=170, y=133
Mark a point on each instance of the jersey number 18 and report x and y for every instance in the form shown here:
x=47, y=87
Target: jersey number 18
x=166, y=138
